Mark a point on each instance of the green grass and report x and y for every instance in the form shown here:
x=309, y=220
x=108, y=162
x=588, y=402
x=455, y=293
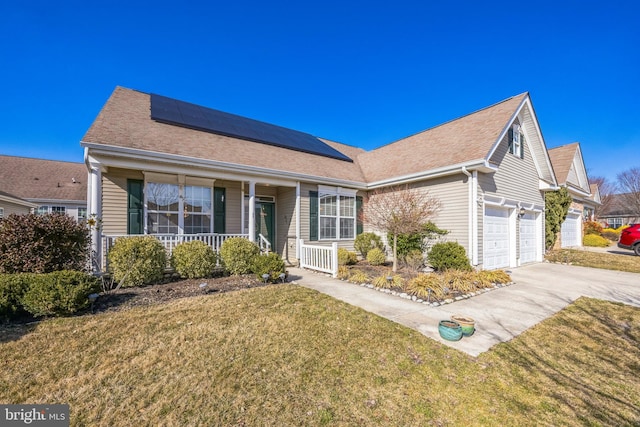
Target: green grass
x=587, y=258
x=286, y=356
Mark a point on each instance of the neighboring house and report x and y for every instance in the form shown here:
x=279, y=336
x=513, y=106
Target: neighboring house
x=161, y=166
x=619, y=213
x=571, y=173
x=10, y=204
x=53, y=186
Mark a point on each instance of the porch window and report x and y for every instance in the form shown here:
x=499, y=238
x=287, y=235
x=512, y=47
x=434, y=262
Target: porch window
x=163, y=202
x=337, y=216
x=178, y=209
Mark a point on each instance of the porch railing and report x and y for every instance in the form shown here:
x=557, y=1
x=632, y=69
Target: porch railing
x=169, y=241
x=264, y=243
x=320, y=258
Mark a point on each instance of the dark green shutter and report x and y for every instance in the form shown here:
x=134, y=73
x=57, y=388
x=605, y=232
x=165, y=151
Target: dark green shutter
x=313, y=215
x=219, y=222
x=135, y=196
x=511, y=140
x=359, y=228
x=521, y=146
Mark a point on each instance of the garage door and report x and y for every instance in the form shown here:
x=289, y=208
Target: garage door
x=528, y=238
x=496, y=238
x=570, y=231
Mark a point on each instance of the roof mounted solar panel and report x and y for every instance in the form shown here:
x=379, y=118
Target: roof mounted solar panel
x=192, y=116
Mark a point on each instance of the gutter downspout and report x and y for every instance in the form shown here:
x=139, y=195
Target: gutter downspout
x=471, y=251
x=474, y=215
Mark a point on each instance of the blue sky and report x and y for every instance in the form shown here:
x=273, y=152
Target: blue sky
x=362, y=73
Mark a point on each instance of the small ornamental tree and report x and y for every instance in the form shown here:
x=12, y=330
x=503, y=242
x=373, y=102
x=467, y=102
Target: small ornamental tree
x=42, y=244
x=398, y=210
x=557, y=205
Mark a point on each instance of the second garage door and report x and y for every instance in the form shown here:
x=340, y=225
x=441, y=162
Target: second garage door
x=496, y=238
x=570, y=232
x=528, y=238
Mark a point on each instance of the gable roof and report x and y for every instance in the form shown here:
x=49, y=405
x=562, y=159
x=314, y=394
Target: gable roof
x=467, y=141
x=125, y=124
x=39, y=179
x=569, y=168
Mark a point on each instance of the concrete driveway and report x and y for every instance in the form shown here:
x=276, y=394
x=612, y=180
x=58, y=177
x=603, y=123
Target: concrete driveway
x=540, y=291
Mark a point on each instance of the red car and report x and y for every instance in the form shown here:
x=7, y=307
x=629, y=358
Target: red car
x=630, y=238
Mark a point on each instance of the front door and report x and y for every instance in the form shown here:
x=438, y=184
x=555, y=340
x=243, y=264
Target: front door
x=265, y=222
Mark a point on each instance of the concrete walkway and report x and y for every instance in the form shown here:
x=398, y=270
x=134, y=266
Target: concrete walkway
x=540, y=291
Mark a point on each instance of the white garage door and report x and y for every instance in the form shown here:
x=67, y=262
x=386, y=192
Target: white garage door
x=528, y=238
x=496, y=238
x=570, y=231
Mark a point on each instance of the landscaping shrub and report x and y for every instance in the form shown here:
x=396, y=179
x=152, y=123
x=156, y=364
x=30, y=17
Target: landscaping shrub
x=487, y=278
x=611, y=234
x=346, y=257
x=194, y=260
x=365, y=242
x=383, y=281
x=12, y=290
x=557, y=205
x=42, y=244
x=595, y=240
x=271, y=264
x=376, y=256
x=138, y=260
x=59, y=293
x=237, y=254
x=460, y=281
x=343, y=272
x=408, y=243
x=359, y=277
x=422, y=283
x=414, y=260
x=592, y=227
x=449, y=256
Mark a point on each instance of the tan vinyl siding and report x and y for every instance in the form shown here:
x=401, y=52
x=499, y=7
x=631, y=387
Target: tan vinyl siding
x=516, y=178
x=13, y=208
x=233, y=205
x=453, y=215
x=114, y=199
x=304, y=209
x=286, y=223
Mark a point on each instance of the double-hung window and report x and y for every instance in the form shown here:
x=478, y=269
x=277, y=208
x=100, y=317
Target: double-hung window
x=178, y=208
x=337, y=213
x=517, y=141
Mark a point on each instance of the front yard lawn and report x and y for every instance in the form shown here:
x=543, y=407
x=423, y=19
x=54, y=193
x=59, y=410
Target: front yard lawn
x=287, y=355
x=625, y=261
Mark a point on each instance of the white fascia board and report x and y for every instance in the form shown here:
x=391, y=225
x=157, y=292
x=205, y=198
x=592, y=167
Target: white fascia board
x=480, y=165
x=131, y=158
x=17, y=201
x=547, y=186
x=58, y=201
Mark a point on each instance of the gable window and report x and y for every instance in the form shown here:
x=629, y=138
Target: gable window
x=337, y=213
x=516, y=141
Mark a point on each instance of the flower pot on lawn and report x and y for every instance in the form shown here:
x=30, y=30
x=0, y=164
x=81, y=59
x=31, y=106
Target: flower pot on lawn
x=450, y=330
x=467, y=324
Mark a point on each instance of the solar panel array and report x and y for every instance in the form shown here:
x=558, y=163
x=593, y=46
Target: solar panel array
x=174, y=112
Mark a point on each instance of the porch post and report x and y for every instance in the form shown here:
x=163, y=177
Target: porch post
x=298, y=241
x=95, y=190
x=252, y=211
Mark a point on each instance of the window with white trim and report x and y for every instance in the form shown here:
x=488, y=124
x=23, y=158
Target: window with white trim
x=337, y=214
x=178, y=209
x=42, y=210
x=82, y=215
x=1, y=213
x=517, y=140
x=58, y=209
x=615, y=222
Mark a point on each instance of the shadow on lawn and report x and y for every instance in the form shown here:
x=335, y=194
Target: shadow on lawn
x=592, y=367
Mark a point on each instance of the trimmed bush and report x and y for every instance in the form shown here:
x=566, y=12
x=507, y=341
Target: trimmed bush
x=59, y=293
x=414, y=259
x=193, y=260
x=42, y=244
x=271, y=264
x=12, y=290
x=346, y=257
x=376, y=257
x=611, y=234
x=365, y=242
x=237, y=254
x=408, y=243
x=134, y=261
x=595, y=240
x=449, y=256
x=592, y=227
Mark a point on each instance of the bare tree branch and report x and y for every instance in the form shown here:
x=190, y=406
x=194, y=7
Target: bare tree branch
x=629, y=184
x=607, y=190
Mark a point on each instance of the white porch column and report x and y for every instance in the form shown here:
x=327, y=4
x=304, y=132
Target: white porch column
x=252, y=211
x=298, y=242
x=95, y=210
